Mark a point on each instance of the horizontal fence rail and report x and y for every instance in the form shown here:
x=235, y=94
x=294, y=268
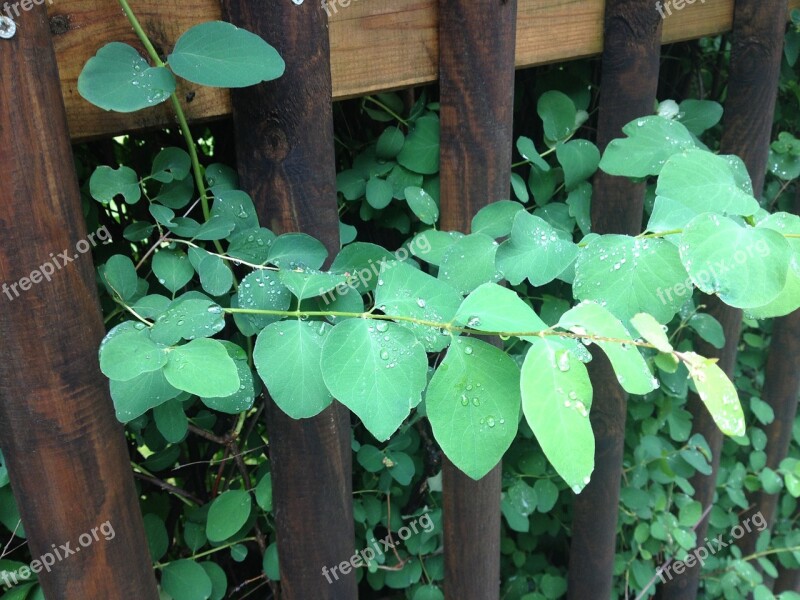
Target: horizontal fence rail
x=376, y=45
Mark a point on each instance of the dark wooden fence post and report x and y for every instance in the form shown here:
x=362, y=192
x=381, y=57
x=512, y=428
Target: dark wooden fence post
x=285, y=155
x=757, y=42
x=476, y=71
x=627, y=91
x=65, y=450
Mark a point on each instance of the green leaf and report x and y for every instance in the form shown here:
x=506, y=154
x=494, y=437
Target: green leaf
x=235, y=206
x=134, y=397
x=185, y=580
x=221, y=177
x=271, y=563
x=652, y=331
x=535, y=251
x=157, y=536
x=579, y=158
x=188, y=319
x=717, y=393
x=173, y=269
x=227, y=514
x=219, y=581
x=378, y=192
x=496, y=219
x=420, y=152
x=699, y=116
x=362, y=260
x=219, y=54
x=176, y=194
x=243, y=398
x=287, y=356
x=292, y=250
x=519, y=188
x=128, y=354
x=556, y=398
x=120, y=275
x=493, y=308
x=216, y=277
x=709, y=329
x=436, y=243
x=251, y=245
x=118, y=78
x=694, y=182
x=405, y=291
x=171, y=421
x=422, y=204
x=527, y=149
x=216, y=228
x=264, y=493
x=650, y=142
x=745, y=266
x=588, y=318
x=379, y=379
x=473, y=403
x=351, y=184
x=202, y=367
x=390, y=143
x=262, y=290
x=308, y=283
x=632, y=275
x=788, y=300
x=171, y=164
x=469, y=262
x=579, y=202
x=107, y=183
x=558, y=115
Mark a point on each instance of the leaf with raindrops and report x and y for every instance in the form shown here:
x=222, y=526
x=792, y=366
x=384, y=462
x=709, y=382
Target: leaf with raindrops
x=403, y=290
x=378, y=370
x=556, y=399
x=473, y=404
x=117, y=78
x=588, y=318
x=288, y=356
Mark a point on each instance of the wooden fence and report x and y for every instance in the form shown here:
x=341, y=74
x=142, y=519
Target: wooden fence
x=58, y=433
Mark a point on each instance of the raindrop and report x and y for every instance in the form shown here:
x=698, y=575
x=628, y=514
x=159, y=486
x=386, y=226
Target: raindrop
x=468, y=350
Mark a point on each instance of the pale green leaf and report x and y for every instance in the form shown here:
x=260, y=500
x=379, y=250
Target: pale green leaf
x=220, y=54
x=379, y=379
x=287, y=356
x=556, y=399
x=473, y=404
x=590, y=319
x=202, y=367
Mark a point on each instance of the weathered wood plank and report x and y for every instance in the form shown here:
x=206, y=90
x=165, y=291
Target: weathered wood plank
x=477, y=96
x=375, y=45
x=285, y=158
x=65, y=450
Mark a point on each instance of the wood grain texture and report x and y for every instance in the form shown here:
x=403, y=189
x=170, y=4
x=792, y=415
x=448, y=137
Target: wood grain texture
x=476, y=65
x=65, y=451
x=376, y=45
x=285, y=156
x=756, y=48
x=630, y=66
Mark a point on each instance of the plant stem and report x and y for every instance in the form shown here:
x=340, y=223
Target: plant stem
x=457, y=329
